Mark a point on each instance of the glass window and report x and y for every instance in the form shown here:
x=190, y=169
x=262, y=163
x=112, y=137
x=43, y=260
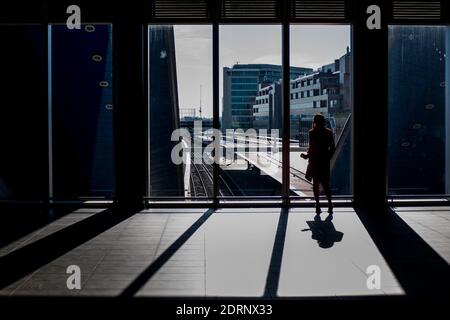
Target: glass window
x=80, y=73
x=419, y=95
x=180, y=111
x=251, y=165
x=318, y=48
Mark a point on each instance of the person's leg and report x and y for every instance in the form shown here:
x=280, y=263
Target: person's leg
x=326, y=188
x=316, y=190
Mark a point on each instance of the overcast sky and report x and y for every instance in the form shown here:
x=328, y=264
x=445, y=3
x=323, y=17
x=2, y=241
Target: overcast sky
x=311, y=46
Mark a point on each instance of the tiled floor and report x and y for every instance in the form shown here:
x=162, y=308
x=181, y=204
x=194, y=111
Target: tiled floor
x=228, y=252
x=432, y=225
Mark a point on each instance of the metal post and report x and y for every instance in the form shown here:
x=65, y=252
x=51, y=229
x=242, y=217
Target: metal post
x=216, y=122
x=285, y=104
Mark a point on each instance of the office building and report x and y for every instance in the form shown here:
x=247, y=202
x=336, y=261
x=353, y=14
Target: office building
x=325, y=91
x=240, y=88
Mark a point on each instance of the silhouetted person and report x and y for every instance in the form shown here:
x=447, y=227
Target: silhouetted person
x=324, y=231
x=320, y=151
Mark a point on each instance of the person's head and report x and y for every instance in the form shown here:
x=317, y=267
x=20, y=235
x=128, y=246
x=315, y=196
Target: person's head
x=318, y=121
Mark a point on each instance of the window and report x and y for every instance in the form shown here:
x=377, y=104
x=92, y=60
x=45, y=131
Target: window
x=419, y=105
x=251, y=172
x=180, y=110
x=81, y=111
x=310, y=41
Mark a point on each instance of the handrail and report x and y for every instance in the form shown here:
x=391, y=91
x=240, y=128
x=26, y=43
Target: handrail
x=341, y=141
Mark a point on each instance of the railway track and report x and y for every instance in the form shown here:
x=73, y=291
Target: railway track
x=199, y=187
x=202, y=179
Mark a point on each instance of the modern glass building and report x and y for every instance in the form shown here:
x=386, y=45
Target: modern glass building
x=240, y=88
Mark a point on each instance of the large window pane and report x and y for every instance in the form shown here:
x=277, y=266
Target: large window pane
x=326, y=88
x=180, y=111
x=250, y=88
x=81, y=105
x=419, y=110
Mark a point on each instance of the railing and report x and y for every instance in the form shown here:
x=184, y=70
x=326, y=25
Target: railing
x=341, y=141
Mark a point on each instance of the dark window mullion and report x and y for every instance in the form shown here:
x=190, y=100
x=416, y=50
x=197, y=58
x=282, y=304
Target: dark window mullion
x=285, y=129
x=215, y=8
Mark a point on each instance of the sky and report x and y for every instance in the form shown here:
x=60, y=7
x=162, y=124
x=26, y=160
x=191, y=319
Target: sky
x=311, y=46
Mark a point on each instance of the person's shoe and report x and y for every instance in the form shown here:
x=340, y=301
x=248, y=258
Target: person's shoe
x=318, y=209
x=330, y=209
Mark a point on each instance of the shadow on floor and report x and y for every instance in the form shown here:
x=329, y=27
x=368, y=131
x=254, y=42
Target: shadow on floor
x=420, y=270
x=19, y=221
x=273, y=275
x=148, y=273
x=31, y=257
x=323, y=231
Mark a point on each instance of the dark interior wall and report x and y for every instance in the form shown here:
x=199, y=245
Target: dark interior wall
x=23, y=112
